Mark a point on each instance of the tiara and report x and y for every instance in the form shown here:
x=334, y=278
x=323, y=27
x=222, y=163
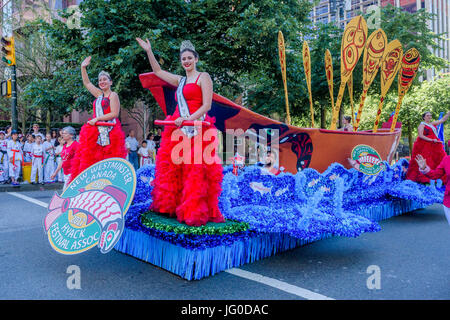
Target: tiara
x=186, y=44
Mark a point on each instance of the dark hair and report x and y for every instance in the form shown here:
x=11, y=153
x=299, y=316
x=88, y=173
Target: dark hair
x=195, y=53
x=150, y=135
x=348, y=118
x=424, y=114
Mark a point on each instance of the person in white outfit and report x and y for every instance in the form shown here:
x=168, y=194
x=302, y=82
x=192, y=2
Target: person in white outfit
x=15, y=156
x=28, y=148
x=37, y=161
x=4, y=172
x=49, y=158
x=67, y=154
x=36, y=131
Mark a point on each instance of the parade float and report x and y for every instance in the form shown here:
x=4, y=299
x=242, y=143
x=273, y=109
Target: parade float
x=334, y=183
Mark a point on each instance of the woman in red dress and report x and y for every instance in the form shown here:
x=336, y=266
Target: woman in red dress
x=187, y=186
x=99, y=142
x=428, y=145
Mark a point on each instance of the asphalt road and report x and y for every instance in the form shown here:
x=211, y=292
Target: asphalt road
x=408, y=259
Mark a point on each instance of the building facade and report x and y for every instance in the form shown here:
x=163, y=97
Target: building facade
x=28, y=10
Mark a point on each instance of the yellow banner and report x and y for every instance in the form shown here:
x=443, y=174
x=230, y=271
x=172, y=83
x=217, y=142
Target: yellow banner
x=373, y=53
x=282, y=55
x=329, y=73
x=350, y=92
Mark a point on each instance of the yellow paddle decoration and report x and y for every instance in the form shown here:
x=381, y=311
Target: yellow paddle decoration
x=307, y=67
x=329, y=73
x=282, y=55
x=408, y=71
x=373, y=53
x=352, y=45
x=390, y=64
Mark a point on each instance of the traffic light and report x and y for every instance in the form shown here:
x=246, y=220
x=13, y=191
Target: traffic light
x=9, y=54
x=6, y=88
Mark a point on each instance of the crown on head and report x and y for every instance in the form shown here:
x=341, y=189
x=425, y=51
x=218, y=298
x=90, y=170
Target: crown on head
x=186, y=44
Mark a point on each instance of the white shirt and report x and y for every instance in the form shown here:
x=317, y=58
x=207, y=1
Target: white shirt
x=132, y=143
x=27, y=150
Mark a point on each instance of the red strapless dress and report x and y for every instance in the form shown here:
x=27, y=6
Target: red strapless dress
x=432, y=152
x=188, y=190
x=89, y=152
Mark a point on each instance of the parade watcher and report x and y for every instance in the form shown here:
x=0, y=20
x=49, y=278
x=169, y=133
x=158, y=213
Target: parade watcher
x=22, y=140
x=428, y=146
x=15, y=156
x=443, y=169
x=157, y=138
x=58, y=149
x=36, y=131
x=346, y=124
x=183, y=188
x=54, y=138
x=144, y=155
x=49, y=158
x=69, y=149
x=132, y=146
x=8, y=133
x=151, y=146
x=4, y=171
x=99, y=142
x=271, y=163
x=37, y=164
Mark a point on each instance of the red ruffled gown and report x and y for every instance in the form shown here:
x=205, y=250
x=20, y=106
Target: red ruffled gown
x=189, y=191
x=433, y=153
x=90, y=152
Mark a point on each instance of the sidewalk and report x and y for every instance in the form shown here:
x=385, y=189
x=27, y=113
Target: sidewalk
x=57, y=186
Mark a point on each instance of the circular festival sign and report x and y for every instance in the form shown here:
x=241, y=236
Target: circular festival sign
x=366, y=160
x=91, y=211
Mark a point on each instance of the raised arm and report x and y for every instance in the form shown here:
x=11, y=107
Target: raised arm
x=437, y=173
x=96, y=92
x=422, y=136
x=171, y=78
x=442, y=120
